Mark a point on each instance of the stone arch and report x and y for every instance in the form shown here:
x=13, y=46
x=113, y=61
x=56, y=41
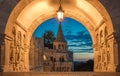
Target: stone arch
x=19, y=18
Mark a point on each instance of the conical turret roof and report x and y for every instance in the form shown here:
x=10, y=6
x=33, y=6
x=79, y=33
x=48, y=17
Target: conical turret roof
x=60, y=36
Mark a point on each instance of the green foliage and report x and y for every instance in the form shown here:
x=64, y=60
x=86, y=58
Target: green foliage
x=84, y=66
x=48, y=39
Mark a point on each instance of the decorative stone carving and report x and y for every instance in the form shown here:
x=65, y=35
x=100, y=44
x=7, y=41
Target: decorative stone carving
x=22, y=62
x=17, y=53
x=108, y=57
x=12, y=50
x=11, y=54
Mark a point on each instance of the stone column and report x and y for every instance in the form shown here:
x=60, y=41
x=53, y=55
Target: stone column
x=117, y=51
x=27, y=57
x=2, y=52
x=110, y=51
x=95, y=55
x=5, y=44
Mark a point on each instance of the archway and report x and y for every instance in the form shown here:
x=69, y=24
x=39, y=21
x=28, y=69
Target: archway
x=78, y=41
x=27, y=15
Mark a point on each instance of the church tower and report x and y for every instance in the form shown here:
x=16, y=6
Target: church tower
x=58, y=59
x=60, y=43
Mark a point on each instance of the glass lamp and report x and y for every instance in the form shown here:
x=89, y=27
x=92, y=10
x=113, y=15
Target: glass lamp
x=60, y=13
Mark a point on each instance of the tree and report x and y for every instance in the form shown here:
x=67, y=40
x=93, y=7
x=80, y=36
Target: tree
x=84, y=66
x=90, y=65
x=48, y=39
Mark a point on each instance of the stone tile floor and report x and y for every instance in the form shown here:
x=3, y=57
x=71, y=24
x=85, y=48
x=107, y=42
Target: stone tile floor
x=58, y=74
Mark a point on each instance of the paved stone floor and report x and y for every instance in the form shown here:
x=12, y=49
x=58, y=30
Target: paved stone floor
x=59, y=74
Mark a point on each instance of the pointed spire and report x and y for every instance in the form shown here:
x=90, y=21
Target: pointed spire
x=60, y=36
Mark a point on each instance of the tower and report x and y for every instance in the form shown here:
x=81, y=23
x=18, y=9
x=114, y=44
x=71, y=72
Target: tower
x=58, y=59
x=60, y=43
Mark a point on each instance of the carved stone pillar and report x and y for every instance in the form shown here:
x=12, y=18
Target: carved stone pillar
x=27, y=57
x=2, y=53
x=4, y=44
x=107, y=54
x=110, y=53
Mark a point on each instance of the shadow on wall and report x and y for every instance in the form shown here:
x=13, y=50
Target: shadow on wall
x=1, y=70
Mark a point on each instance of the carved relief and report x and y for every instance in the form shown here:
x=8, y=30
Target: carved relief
x=14, y=35
x=106, y=32
x=11, y=58
x=12, y=50
x=101, y=36
x=19, y=38
x=103, y=56
x=22, y=56
x=20, y=53
x=108, y=57
x=16, y=54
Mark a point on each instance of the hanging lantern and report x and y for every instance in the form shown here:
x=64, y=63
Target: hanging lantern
x=60, y=13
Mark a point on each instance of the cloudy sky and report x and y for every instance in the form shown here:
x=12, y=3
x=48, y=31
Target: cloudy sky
x=77, y=36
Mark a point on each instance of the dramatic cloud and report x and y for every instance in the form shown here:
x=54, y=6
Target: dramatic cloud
x=80, y=42
x=82, y=35
x=77, y=36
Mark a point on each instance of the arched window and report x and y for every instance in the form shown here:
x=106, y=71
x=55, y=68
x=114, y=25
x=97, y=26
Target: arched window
x=51, y=58
x=60, y=69
x=54, y=59
x=62, y=59
x=54, y=46
x=59, y=46
x=57, y=69
x=62, y=46
x=59, y=59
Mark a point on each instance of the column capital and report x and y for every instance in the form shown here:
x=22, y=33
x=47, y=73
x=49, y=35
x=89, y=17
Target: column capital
x=5, y=36
x=114, y=35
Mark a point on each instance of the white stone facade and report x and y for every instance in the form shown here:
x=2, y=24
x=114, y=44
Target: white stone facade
x=35, y=54
x=57, y=61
